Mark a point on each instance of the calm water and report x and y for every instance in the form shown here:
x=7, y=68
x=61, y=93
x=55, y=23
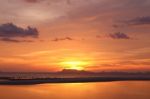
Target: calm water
x=102, y=90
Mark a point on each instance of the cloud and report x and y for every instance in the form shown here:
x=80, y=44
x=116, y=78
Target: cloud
x=119, y=35
x=32, y=1
x=62, y=39
x=139, y=21
x=10, y=32
x=14, y=40
x=145, y=20
x=48, y=1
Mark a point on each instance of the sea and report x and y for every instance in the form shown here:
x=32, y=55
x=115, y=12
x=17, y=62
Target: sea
x=98, y=90
x=88, y=90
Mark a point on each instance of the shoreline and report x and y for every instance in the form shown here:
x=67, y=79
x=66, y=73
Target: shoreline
x=69, y=80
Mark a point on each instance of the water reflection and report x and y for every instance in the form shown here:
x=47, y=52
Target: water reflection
x=103, y=90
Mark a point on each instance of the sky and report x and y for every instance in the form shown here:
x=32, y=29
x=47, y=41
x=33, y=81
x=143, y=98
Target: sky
x=94, y=35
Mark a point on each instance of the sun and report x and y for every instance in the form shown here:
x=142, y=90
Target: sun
x=74, y=64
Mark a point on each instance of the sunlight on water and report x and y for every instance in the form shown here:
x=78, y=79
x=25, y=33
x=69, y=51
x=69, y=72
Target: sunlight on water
x=102, y=90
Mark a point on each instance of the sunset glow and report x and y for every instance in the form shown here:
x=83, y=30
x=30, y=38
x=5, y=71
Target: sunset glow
x=77, y=65
x=97, y=35
x=74, y=49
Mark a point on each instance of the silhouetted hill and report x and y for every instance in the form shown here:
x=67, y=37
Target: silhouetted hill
x=73, y=71
x=69, y=76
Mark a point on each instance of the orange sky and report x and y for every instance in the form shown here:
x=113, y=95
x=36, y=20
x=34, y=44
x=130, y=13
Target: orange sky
x=96, y=35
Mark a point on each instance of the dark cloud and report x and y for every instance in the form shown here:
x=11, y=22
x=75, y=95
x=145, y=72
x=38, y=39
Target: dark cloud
x=119, y=35
x=62, y=39
x=139, y=21
x=14, y=40
x=32, y=1
x=48, y=1
x=145, y=20
x=11, y=32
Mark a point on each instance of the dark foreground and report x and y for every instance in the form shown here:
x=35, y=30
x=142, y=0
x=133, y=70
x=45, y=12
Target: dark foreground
x=8, y=81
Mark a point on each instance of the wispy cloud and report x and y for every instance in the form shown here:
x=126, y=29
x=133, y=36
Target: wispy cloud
x=62, y=39
x=116, y=35
x=32, y=1
x=145, y=20
x=140, y=21
x=14, y=40
x=119, y=35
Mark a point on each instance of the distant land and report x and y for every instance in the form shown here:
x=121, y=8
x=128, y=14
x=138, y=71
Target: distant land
x=69, y=76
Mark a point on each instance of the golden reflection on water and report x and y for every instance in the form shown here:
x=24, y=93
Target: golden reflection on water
x=102, y=90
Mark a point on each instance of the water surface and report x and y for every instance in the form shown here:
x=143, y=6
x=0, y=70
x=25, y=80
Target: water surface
x=101, y=90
